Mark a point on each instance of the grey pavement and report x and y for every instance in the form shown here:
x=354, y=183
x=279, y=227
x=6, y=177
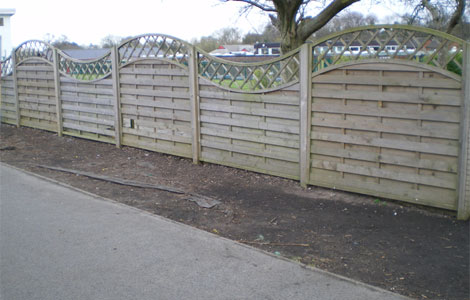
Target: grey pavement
x=60, y=243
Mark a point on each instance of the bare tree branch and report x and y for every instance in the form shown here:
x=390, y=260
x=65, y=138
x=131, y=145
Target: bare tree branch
x=457, y=16
x=310, y=25
x=255, y=3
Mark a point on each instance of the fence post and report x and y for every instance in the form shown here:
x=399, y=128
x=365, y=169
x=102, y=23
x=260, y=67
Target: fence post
x=305, y=111
x=116, y=95
x=15, y=87
x=194, y=99
x=57, y=92
x=463, y=206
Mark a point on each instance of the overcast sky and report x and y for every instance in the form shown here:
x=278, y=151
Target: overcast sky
x=88, y=21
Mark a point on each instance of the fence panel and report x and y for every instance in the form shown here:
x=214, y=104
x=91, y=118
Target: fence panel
x=257, y=132
x=8, y=102
x=87, y=108
x=379, y=110
x=155, y=106
x=389, y=129
x=36, y=94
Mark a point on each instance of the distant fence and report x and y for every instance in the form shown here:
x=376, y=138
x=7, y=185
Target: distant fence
x=379, y=110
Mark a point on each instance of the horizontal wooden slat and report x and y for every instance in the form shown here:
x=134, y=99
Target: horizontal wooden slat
x=29, y=91
x=109, y=112
x=294, y=143
x=382, y=173
x=275, y=99
x=36, y=100
x=88, y=100
x=45, y=125
x=157, y=104
x=8, y=114
x=44, y=76
x=76, y=117
x=86, y=90
x=177, y=115
x=384, y=81
x=147, y=71
x=158, y=135
x=251, y=124
x=155, y=82
x=448, y=116
x=39, y=115
x=67, y=80
x=250, y=111
x=388, y=96
x=387, y=143
x=393, y=159
x=34, y=68
x=8, y=100
x=180, y=149
x=88, y=128
x=38, y=107
x=416, y=130
x=162, y=126
x=292, y=157
x=445, y=200
x=40, y=84
x=251, y=163
x=155, y=93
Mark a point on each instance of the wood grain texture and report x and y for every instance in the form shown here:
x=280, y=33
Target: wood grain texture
x=387, y=131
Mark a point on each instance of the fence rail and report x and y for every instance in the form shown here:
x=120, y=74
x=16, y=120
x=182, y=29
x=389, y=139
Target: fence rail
x=379, y=110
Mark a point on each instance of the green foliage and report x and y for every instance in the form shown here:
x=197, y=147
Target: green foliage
x=453, y=67
x=264, y=82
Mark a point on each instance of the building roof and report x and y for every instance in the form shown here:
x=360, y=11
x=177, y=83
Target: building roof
x=7, y=11
x=232, y=49
x=86, y=53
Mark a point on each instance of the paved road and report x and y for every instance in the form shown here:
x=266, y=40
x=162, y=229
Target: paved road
x=60, y=243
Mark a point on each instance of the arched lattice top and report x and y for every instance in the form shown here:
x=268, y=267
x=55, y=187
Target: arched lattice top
x=6, y=66
x=248, y=77
x=32, y=49
x=411, y=43
x=153, y=46
x=85, y=69
x=422, y=45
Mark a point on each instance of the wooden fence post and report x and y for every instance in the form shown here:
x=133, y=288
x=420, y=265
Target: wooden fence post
x=463, y=205
x=57, y=92
x=116, y=95
x=194, y=99
x=15, y=88
x=305, y=111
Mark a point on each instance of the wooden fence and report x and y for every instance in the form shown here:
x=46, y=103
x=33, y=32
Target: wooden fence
x=378, y=110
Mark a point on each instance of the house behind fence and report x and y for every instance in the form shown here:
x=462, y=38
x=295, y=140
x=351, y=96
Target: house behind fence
x=378, y=110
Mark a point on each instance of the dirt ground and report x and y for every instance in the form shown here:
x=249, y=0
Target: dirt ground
x=415, y=251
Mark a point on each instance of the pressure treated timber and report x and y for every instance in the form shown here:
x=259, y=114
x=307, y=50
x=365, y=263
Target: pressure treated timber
x=369, y=137
x=394, y=128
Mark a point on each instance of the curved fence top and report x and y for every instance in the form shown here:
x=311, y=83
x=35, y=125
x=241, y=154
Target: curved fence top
x=422, y=45
x=85, y=70
x=34, y=49
x=251, y=77
x=154, y=45
x=6, y=67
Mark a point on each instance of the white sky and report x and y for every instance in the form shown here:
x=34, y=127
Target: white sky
x=88, y=21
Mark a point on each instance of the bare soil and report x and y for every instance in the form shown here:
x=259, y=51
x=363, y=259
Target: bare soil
x=415, y=251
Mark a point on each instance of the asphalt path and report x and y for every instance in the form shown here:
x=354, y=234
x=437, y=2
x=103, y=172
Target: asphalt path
x=57, y=242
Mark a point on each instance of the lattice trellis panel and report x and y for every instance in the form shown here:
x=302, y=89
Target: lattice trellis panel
x=250, y=77
x=35, y=49
x=154, y=46
x=6, y=67
x=85, y=69
x=390, y=42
